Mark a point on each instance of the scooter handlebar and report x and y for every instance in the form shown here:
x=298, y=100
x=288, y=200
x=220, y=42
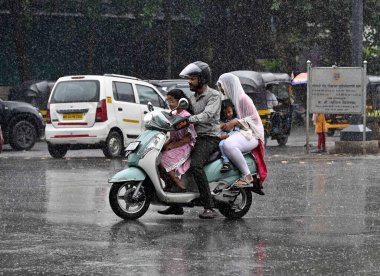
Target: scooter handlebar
x=182, y=123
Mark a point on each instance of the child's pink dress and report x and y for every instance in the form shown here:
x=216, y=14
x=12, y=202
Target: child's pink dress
x=178, y=158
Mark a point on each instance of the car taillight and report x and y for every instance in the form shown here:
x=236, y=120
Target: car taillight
x=101, y=111
x=48, y=118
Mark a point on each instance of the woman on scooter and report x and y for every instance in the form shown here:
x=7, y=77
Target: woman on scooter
x=175, y=159
x=251, y=135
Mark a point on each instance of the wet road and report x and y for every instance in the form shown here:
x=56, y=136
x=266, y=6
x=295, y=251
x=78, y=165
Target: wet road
x=321, y=215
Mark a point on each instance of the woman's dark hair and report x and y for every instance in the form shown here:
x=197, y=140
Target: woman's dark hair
x=178, y=94
x=227, y=103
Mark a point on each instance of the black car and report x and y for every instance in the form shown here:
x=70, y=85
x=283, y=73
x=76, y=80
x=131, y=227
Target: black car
x=166, y=85
x=21, y=123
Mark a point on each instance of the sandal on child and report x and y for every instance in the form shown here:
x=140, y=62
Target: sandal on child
x=226, y=167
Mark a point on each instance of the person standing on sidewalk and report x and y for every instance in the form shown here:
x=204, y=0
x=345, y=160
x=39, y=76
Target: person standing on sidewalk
x=319, y=122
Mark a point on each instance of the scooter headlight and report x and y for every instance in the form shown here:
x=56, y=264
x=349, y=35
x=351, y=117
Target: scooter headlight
x=156, y=142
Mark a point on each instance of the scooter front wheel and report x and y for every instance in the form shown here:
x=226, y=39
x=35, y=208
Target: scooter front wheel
x=127, y=204
x=239, y=205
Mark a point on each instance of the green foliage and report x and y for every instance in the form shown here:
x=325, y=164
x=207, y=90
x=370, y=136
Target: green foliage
x=372, y=55
x=274, y=65
x=230, y=35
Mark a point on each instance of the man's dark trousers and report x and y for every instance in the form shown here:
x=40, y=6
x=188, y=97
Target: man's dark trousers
x=204, y=147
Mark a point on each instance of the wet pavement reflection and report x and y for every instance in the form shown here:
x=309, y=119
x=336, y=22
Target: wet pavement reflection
x=319, y=216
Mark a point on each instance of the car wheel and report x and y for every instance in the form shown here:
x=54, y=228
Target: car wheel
x=23, y=135
x=114, y=145
x=58, y=151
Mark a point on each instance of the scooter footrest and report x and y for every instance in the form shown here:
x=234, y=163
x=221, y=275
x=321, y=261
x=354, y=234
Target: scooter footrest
x=250, y=185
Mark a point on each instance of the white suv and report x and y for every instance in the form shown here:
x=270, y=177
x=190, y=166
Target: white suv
x=102, y=111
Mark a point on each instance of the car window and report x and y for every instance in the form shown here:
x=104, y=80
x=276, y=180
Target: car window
x=147, y=94
x=76, y=91
x=184, y=87
x=123, y=92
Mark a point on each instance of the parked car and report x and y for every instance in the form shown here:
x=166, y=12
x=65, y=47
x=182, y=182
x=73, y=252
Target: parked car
x=21, y=124
x=164, y=86
x=99, y=111
x=35, y=92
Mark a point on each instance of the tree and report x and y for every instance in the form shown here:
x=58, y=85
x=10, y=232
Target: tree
x=149, y=12
x=19, y=15
x=314, y=25
x=371, y=42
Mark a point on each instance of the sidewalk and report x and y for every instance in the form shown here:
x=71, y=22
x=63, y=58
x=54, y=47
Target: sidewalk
x=297, y=138
x=295, y=147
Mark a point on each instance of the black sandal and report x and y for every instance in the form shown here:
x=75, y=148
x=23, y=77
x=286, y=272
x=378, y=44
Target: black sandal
x=257, y=188
x=226, y=167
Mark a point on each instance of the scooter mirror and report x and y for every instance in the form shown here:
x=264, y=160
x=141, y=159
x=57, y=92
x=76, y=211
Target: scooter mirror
x=150, y=107
x=183, y=103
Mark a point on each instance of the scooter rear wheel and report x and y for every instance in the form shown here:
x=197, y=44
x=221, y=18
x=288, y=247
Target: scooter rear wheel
x=239, y=206
x=124, y=204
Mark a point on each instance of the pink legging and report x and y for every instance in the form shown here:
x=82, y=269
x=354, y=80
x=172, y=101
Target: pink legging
x=233, y=148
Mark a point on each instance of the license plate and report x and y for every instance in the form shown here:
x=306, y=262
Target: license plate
x=73, y=116
x=132, y=146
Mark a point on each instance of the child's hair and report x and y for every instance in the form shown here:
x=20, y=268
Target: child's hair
x=227, y=103
x=178, y=94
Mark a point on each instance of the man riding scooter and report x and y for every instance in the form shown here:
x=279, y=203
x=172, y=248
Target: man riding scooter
x=206, y=103
x=136, y=187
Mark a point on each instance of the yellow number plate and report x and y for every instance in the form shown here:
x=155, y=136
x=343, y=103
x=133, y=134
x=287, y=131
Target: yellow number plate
x=73, y=116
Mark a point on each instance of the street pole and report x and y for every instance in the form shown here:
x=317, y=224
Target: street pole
x=308, y=105
x=357, y=32
x=364, y=82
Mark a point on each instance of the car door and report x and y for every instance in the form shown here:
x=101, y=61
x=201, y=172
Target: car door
x=127, y=110
x=147, y=94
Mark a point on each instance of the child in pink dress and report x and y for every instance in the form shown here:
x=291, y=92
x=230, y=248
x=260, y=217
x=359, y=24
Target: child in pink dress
x=175, y=159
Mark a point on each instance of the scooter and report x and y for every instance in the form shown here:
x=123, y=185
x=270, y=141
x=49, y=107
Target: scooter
x=136, y=187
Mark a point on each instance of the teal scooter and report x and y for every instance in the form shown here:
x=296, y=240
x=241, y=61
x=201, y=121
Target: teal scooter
x=136, y=187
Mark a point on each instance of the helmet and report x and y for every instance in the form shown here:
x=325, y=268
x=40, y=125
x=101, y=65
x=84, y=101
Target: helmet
x=200, y=69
